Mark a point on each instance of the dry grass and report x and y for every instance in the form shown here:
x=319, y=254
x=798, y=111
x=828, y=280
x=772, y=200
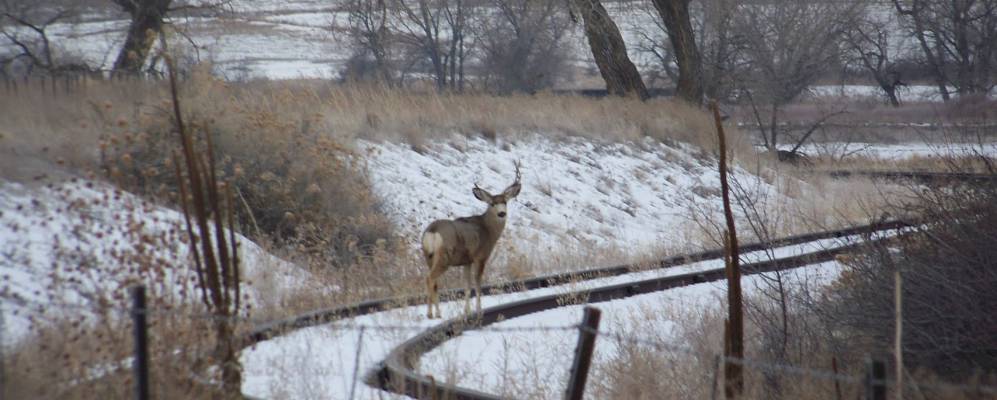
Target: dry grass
x=971, y=109
x=287, y=147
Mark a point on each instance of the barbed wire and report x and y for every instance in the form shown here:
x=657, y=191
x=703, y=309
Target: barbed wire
x=346, y=324
x=789, y=368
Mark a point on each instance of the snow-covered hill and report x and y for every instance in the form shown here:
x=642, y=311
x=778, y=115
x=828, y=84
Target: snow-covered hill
x=77, y=246
x=578, y=195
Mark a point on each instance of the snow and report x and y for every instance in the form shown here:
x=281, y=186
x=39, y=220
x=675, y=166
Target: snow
x=910, y=93
x=578, y=195
x=898, y=151
x=321, y=359
x=72, y=246
x=504, y=360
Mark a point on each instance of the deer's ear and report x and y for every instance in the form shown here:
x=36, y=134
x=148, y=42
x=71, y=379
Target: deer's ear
x=482, y=195
x=512, y=191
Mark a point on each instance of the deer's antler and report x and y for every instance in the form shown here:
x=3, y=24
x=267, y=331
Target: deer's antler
x=519, y=175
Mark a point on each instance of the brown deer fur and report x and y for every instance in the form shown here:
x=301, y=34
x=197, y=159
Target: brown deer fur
x=466, y=241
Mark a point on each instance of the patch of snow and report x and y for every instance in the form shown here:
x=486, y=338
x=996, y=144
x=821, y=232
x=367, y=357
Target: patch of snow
x=900, y=151
x=507, y=359
x=321, y=362
x=915, y=93
x=72, y=246
x=577, y=195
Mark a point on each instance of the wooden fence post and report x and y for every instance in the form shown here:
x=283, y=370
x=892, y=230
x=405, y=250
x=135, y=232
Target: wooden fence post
x=875, y=380
x=583, y=354
x=141, y=362
x=837, y=383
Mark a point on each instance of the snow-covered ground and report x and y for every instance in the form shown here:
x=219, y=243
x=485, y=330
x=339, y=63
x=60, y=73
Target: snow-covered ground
x=321, y=362
x=505, y=360
x=911, y=93
x=76, y=245
x=306, y=39
x=899, y=151
x=578, y=195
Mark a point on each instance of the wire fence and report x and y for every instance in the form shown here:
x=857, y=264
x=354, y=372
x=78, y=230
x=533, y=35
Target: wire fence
x=365, y=329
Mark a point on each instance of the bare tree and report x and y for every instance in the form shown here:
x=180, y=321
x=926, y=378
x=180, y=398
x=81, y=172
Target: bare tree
x=720, y=48
x=146, y=23
x=609, y=50
x=874, y=47
x=958, y=39
x=370, y=38
x=25, y=24
x=522, y=48
x=677, y=20
x=148, y=17
x=434, y=32
x=788, y=45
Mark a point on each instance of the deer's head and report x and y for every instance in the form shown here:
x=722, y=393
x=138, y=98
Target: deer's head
x=497, y=203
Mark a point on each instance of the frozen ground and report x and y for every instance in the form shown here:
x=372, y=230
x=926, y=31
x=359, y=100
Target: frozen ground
x=506, y=360
x=67, y=248
x=320, y=362
x=578, y=195
x=898, y=152
x=307, y=39
x=911, y=93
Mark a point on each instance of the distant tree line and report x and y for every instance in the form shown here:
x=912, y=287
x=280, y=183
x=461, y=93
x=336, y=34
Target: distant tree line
x=763, y=52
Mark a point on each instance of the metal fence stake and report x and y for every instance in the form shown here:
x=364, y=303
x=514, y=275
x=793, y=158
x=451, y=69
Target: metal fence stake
x=583, y=353
x=875, y=380
x=141, y=362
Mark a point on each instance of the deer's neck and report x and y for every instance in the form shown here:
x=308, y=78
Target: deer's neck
x=494, y=225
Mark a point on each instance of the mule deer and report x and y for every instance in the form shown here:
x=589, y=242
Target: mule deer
x=466, y=241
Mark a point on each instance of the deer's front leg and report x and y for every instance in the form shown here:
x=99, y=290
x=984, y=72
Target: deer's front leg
x=479, y=270
x=467, y=289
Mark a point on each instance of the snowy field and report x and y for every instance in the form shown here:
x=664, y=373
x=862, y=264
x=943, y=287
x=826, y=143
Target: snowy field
x=74, y=246
x=320, y=362
x=896, y=152
x=269, y=39
x=59, y=245
x=578, y=195
x=505, y=360
x=911, y=93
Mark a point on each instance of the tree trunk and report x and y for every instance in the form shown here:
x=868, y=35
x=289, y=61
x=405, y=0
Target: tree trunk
x=147, y=21
x=227, y=354
x=609, y=51
x=675, y=15
x=934, y=61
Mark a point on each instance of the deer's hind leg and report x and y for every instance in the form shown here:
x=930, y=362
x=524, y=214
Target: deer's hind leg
x=436, y=269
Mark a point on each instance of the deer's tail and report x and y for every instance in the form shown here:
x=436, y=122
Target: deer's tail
x=431, y=243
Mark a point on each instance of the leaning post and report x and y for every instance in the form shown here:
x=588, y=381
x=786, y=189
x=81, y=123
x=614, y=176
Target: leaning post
x=583, y=354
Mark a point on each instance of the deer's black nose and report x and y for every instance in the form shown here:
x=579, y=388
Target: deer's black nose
x=501, y=214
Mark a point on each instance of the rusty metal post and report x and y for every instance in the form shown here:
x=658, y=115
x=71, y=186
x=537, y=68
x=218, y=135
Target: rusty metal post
x=141, y=362
x=583, y=354
x=875, y=380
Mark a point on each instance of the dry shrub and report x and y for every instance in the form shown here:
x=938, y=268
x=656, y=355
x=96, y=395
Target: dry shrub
x=949, y=281
x=79, y=339
x=652, y=364
x=288, y=145
x=294, y=184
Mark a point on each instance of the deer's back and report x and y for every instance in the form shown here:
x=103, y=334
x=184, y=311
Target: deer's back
x=461, y=241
